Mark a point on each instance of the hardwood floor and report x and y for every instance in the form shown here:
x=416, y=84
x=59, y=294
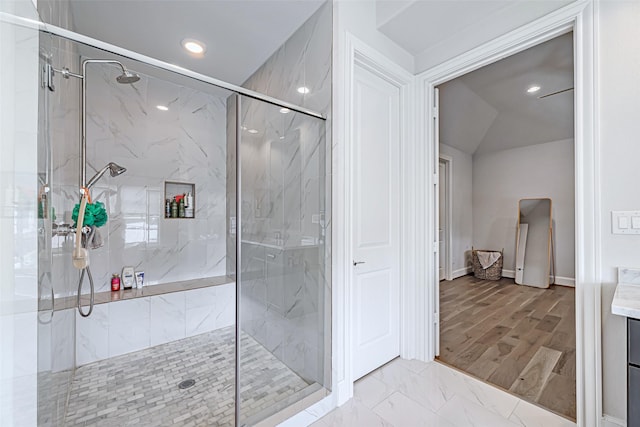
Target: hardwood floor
x=519, y=338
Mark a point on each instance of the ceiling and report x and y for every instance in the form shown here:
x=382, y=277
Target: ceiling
x=433, y=30
x=240, y=35
x=490, y=110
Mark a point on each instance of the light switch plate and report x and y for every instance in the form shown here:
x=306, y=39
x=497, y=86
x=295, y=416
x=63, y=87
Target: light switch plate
x=625, y=222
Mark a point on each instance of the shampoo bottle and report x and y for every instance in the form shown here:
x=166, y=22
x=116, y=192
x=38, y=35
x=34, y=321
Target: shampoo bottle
x=181, y=213
x=128, y=278
x=189, y=208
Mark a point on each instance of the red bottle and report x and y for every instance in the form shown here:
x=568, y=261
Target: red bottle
x=115, y=283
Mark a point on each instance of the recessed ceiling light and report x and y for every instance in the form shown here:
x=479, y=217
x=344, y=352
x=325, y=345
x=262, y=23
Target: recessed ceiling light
x=282, y=137
x=533, y=89
x=162, y=107
x=284, y=110
x=303, y=89
x=194, y=46
x=252, y=131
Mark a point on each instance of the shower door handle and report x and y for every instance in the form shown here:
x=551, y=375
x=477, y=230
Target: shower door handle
x=358, y=262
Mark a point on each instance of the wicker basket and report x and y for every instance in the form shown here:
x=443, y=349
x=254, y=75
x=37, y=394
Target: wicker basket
x=492, y=273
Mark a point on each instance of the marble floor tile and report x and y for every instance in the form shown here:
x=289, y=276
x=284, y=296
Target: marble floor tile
x=414, y=365
x=484, y=394
x=399, y=410
x=354, y=414
x=370, y=391
x=410, y=393
x=431, y=388
x=393, y=373
x=464, y=413
x=529, y=415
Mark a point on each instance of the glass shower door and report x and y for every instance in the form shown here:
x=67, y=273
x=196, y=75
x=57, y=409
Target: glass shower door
x=283, y=257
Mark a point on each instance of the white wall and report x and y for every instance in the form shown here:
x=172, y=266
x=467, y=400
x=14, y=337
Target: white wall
x=619, y=68
x=502, y=178
x=359, y=18
x=461, y=206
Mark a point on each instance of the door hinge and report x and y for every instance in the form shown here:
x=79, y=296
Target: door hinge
x=434, y=112
x=435, y=246
x=47, y=77
x=436, y=318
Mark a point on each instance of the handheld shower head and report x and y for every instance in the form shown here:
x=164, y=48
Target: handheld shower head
x=114, y=170
x=127, y=77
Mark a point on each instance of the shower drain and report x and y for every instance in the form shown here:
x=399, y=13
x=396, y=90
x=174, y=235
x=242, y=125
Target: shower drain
x=186, y=384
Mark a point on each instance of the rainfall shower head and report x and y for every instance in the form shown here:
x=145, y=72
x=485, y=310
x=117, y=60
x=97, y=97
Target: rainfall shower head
x=114, y=170
x=127, y=77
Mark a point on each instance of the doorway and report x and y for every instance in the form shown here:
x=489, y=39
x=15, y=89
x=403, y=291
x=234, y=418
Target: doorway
x=512, y=122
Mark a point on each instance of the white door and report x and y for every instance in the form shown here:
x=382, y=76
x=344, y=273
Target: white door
x=442, y=217
x=375, y=207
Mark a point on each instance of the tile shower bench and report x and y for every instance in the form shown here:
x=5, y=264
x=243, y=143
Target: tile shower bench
x=131, y=320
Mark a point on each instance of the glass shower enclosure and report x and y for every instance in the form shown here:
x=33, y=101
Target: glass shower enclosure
x=283, y=252
x=232, y=325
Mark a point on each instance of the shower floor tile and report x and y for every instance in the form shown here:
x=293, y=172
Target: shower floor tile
x=141, y=388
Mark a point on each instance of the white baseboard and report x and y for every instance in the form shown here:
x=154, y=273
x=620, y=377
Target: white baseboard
x=565, y=281
x=609, y=421
x=562, y=281
x=461, y=272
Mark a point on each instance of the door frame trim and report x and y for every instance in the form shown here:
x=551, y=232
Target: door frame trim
x=579, y=18
x=448, y=209
x=359, y=54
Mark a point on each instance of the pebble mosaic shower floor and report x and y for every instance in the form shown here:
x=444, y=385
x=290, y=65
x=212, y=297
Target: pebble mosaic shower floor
x=141, y=388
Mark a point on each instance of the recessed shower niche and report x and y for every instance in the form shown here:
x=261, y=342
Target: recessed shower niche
x=179, y=200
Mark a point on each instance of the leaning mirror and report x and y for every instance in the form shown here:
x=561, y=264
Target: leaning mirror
x=533, y=244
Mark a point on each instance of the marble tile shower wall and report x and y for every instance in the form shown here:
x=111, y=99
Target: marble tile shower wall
x=57, y=156
x=123, y=327
x=283, y=285
x=286, y=223
x=19, y=227
x=187, y=143
x=303, y=60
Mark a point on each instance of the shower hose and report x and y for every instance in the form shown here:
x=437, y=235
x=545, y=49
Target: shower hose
x=81, y=255
x=88, y=313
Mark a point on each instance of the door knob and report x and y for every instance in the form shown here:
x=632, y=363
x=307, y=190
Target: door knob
x=358, y=262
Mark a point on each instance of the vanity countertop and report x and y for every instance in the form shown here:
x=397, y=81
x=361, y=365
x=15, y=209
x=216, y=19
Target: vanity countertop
x=626, y=300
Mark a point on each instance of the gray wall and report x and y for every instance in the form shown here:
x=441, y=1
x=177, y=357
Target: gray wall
x=501, y=179
x=462, y=208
